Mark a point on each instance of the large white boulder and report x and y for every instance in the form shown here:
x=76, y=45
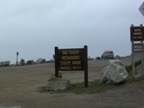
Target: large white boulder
x=114, y=72
x=58, y=84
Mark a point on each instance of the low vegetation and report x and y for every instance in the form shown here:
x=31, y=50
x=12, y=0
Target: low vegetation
x=94, y=86
x=129, y=68
x=78, y=88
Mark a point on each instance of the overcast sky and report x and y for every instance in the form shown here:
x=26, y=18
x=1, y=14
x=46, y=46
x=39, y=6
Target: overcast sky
x=34, y=27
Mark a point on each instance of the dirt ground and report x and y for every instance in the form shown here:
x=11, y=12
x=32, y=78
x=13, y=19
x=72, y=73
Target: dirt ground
x=18, y=89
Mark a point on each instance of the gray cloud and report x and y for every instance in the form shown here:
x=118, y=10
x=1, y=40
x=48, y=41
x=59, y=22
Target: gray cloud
x=34, y=28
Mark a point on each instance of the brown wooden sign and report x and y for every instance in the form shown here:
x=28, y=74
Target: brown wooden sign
x=137, y=33
x=74, y=59
x=137, y=48
x=70, y=59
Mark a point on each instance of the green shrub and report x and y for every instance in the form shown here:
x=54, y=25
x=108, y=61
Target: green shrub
x=129, y=67
x=137, y=63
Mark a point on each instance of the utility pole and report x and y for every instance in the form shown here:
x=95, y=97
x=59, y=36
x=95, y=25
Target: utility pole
x=17, y=58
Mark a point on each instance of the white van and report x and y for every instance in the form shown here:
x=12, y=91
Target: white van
x=107, y=55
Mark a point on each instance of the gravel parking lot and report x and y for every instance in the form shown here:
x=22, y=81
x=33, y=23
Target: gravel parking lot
x=18, y=89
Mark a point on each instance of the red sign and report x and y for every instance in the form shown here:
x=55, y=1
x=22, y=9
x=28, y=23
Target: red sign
x=137, y=33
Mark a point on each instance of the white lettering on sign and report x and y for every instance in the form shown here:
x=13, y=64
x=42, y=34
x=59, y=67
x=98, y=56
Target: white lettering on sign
x=138, y=50
x=138, y=33
x=140, y=37
x=137, y=29
x=138, y=46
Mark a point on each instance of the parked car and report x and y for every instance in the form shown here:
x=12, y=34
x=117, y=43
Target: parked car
x=117, y=57
x=107, y=55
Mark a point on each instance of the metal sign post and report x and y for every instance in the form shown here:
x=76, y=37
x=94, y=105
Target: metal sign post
x=142, y=61
x=133, y=64
x=137, y=35
x=141, y=9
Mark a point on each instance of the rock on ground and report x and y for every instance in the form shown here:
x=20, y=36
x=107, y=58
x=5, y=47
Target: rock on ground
x=114, y=72
x=58, y=84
